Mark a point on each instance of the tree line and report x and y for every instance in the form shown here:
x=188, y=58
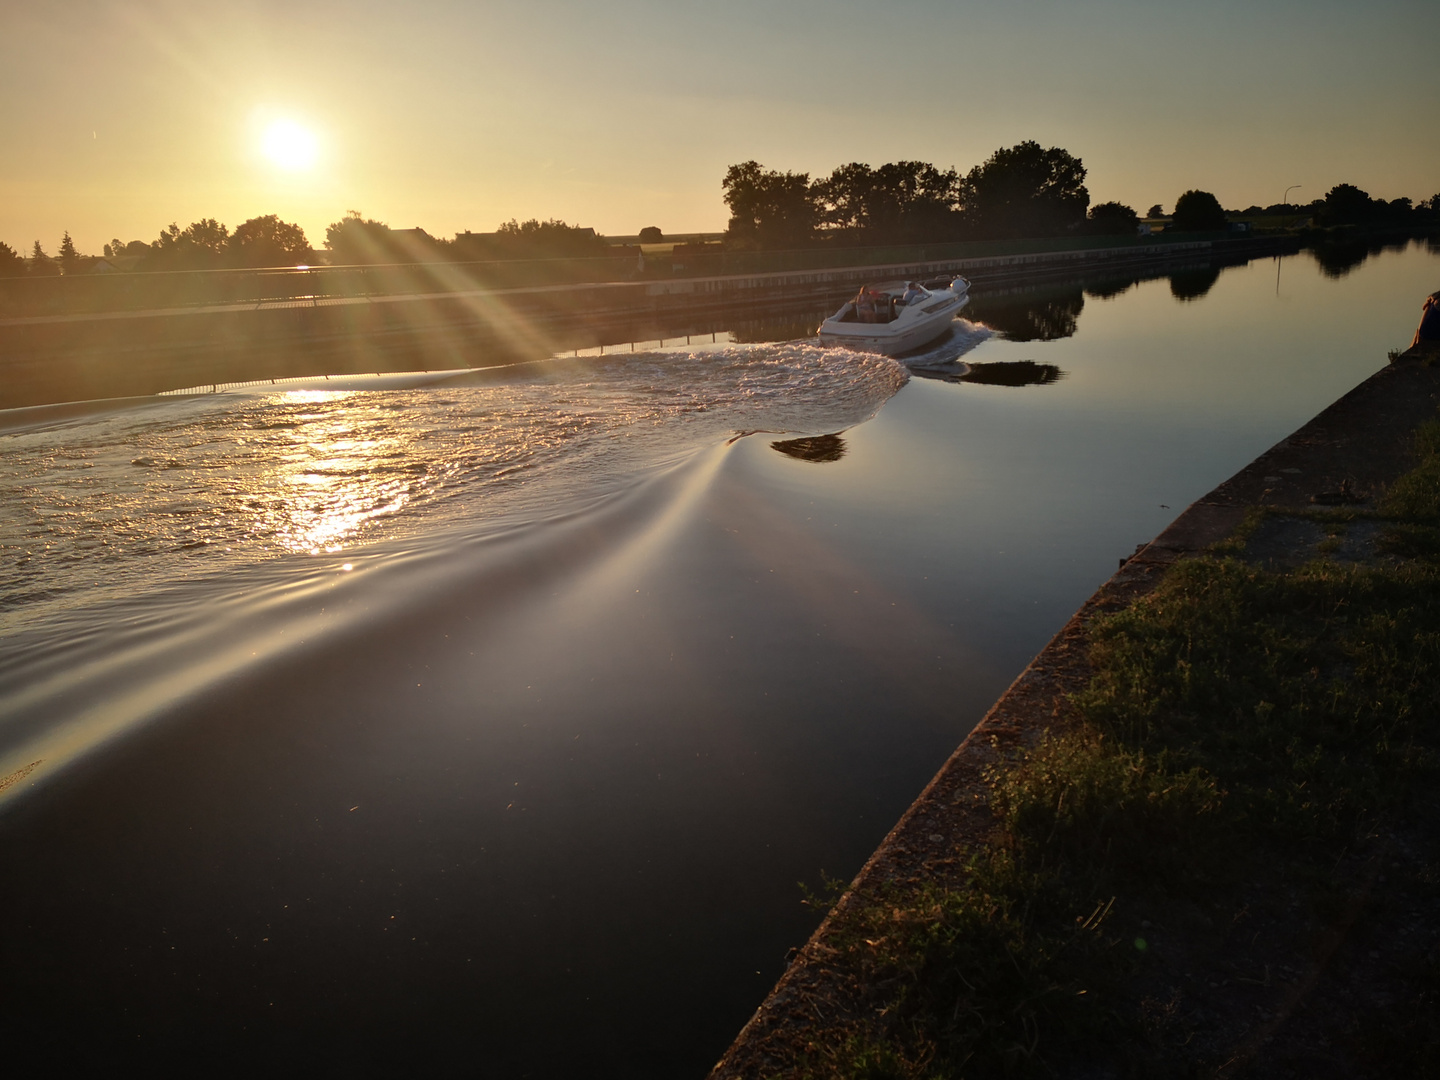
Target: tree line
x=1022, y=191
x=268, y=241
x=202, y=245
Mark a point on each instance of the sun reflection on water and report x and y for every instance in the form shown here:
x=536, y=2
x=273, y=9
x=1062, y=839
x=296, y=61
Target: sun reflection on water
x=331, y=480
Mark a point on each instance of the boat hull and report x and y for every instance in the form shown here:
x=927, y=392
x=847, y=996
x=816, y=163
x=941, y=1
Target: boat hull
x=902, y=335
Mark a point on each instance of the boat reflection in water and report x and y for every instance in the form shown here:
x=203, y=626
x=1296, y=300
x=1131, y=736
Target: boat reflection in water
x=1003, y=373
x=813, y=447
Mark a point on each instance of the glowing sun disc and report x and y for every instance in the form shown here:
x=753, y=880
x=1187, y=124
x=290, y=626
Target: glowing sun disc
x=289, y=145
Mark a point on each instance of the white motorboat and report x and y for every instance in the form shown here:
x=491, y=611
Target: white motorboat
x=895, y=318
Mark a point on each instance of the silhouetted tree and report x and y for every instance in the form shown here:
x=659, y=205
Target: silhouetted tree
x=1112, y=219
x=356, y=240
x=551, y=239
x=69, y=257
x=41, y=265
x=201, y=245
x=1155, y=211
x=768, y=209
x=903, y=201
x=1346, y=204
x=1026, y=190
x=11, y=263
x=119, y=247
x=268, y=241
x=651, y=234
x=1198, y=211
x=533, y=239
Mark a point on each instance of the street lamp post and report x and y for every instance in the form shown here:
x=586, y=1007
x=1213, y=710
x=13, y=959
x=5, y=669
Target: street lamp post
x=1284, y=199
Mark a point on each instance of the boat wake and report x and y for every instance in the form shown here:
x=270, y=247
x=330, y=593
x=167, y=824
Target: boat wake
x=148, y=551
x=962, y=338
x=103, y=504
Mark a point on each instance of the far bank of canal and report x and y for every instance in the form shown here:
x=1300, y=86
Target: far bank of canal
x=446, y=325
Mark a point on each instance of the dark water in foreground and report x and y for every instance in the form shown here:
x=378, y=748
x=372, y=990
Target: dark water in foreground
x=488, y=727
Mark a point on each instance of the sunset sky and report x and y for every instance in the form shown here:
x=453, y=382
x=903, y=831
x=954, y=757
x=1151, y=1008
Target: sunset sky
x=121, y=116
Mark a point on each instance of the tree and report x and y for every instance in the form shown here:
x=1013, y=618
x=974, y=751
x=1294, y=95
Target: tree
x=1155, y=211
x=651, y=234
x=118, y=247
x=69, y=257
x=41, y=265
x=1112, y=219
x=268, y=241
x=1198, y=211
x=1025, y=190
x=901, y=201
x=201, y=245
x=1346, y=204
x=11, y=263
x=356, y=240
x=553, y=239
x=768, y=209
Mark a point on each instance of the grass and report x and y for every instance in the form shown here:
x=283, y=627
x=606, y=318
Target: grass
x=1242, y=724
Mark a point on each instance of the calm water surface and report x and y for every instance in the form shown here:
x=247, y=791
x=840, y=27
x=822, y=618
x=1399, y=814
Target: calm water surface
x=492, y=723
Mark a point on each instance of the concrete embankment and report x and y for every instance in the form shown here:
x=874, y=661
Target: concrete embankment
x=1348, y=455
x=53, y=358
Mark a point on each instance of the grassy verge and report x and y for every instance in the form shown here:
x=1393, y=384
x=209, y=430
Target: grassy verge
x=1258, y=748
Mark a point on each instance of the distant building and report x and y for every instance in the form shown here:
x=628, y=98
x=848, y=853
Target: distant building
x=111, y=264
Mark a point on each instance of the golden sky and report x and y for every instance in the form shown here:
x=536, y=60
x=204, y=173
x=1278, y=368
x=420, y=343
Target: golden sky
x=121, y=116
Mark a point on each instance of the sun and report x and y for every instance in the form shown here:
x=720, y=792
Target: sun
x=289, y=146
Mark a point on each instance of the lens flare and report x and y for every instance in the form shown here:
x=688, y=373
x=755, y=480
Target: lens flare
x=289, y=146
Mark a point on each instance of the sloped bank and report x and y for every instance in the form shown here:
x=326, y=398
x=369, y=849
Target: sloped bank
x=1198, y=835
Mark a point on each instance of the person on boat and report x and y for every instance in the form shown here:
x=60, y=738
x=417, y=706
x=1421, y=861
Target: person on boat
x=913, y=292
x=865, y=305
